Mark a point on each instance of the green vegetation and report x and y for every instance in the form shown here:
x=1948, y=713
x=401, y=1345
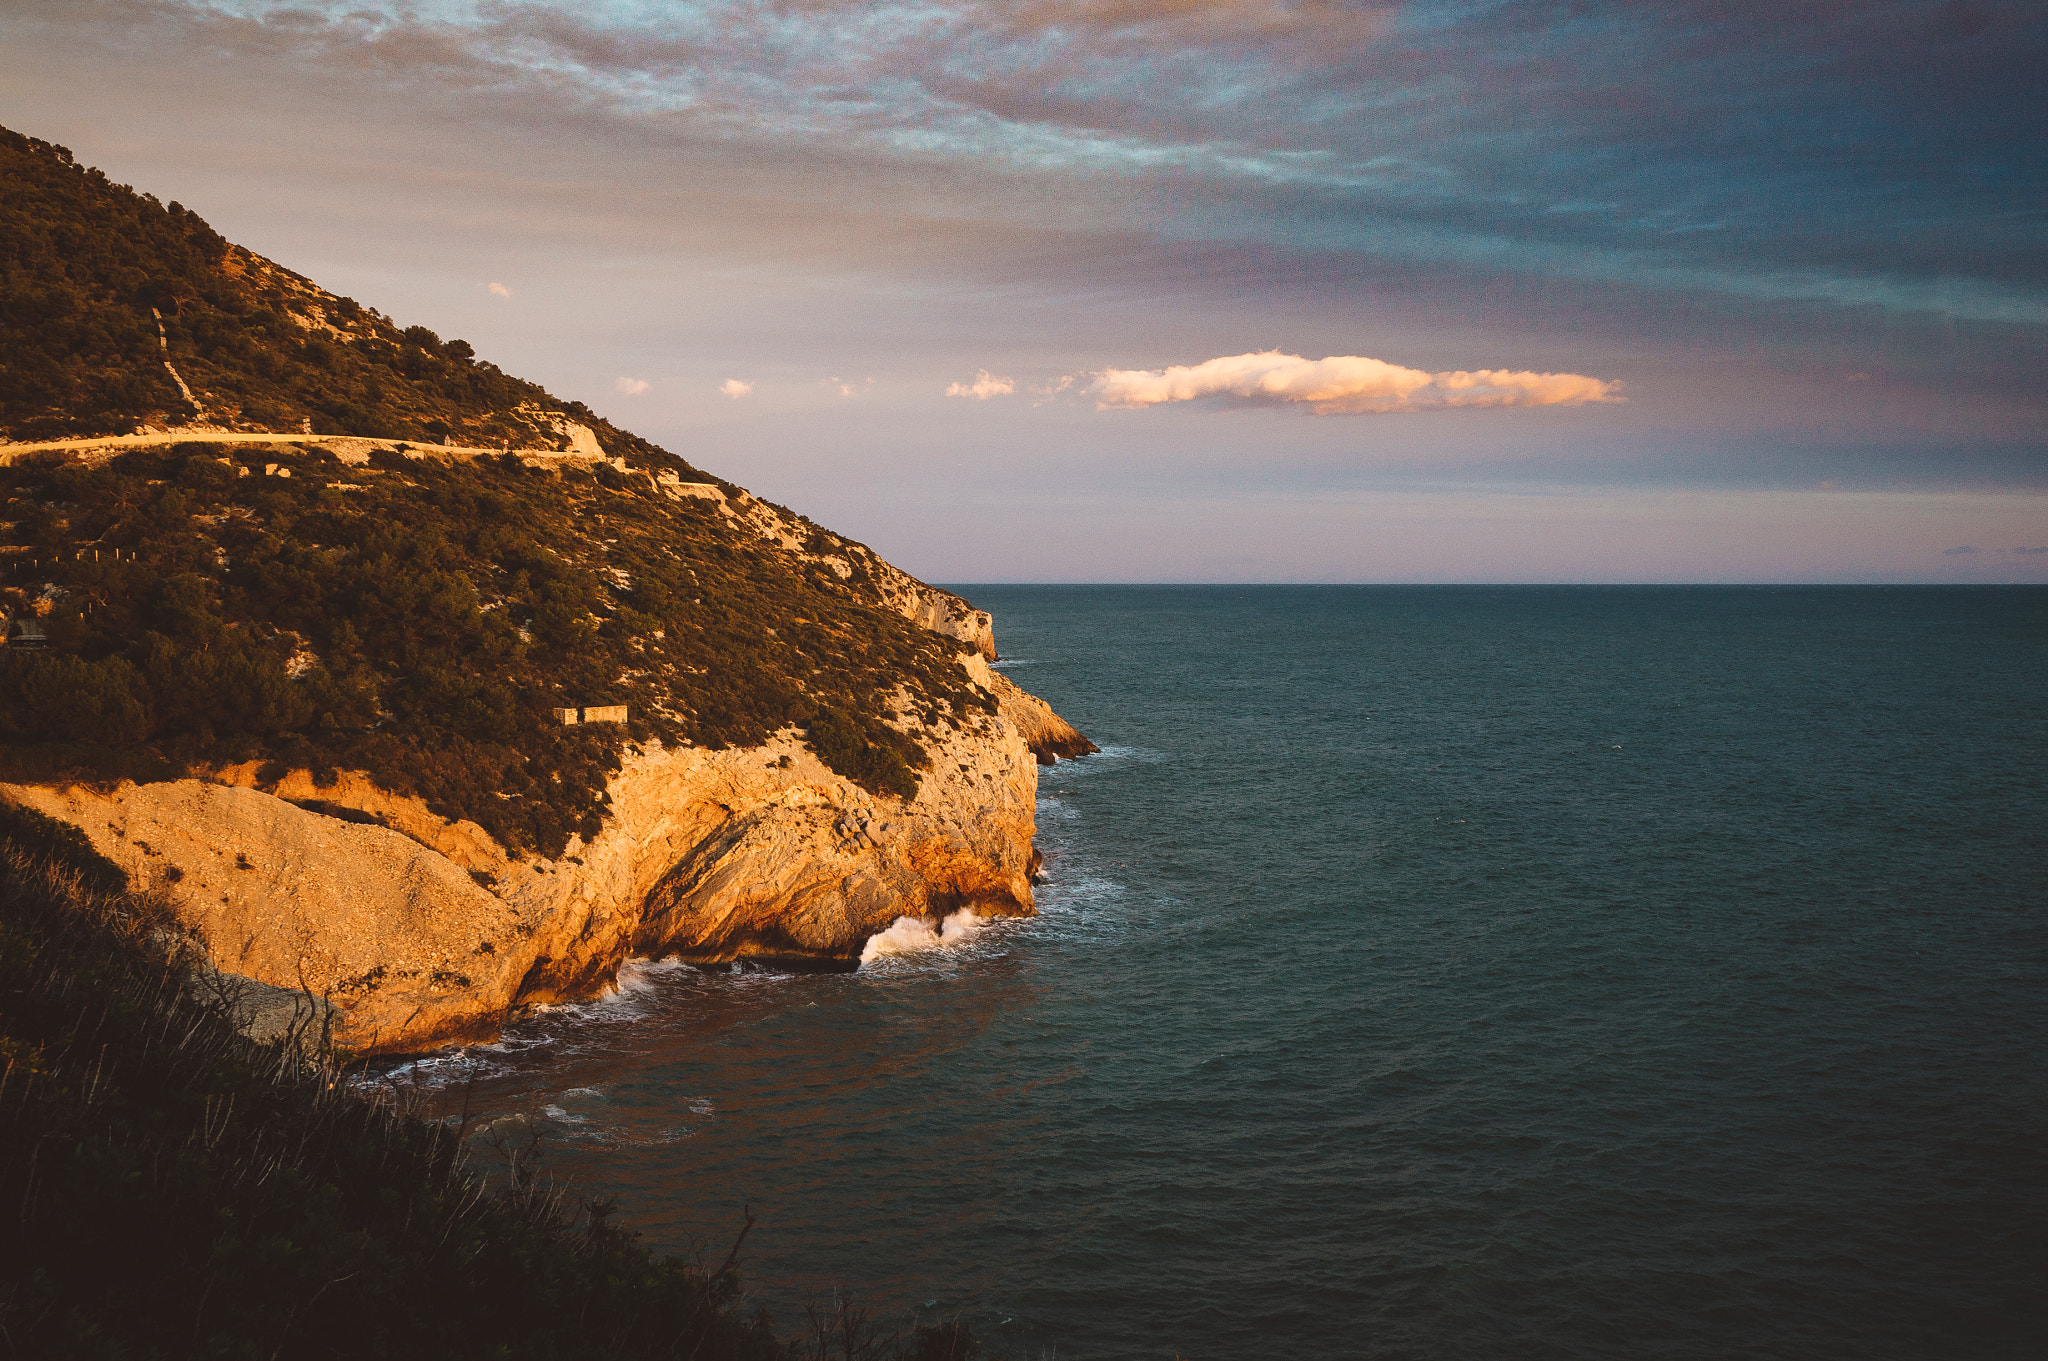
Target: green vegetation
x=183, y=1191
x=87, y=267
x=175, y=1189
x=417, y=619
x=412, y=618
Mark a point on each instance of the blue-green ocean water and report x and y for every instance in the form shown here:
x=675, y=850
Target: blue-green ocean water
x=1422, y=972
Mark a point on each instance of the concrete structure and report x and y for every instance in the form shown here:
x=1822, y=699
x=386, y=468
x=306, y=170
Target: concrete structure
x=595, y=713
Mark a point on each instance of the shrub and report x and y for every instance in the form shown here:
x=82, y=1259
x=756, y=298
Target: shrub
x=850, y=747
x=50, y=696
x=177, y=1189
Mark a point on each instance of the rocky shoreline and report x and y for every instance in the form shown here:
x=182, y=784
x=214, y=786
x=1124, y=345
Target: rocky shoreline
x=420, y=931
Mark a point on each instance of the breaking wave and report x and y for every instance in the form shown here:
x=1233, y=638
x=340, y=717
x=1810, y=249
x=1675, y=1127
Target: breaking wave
x=915, y=935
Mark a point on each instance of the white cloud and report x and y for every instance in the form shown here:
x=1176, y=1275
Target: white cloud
x=631, y=387
x=1346, y=384
x=984, y=386
x=1502, y=387
x=500, y=290
x=1045, y=392
x=735, y=389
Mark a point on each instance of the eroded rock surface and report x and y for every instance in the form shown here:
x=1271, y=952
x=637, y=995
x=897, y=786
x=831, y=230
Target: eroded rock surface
x=422, y=931
x=1049, y=736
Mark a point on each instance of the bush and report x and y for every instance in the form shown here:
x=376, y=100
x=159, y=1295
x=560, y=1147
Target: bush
x=66, y=698
x=175, y=1189
x=850, y=747
x=421, y=628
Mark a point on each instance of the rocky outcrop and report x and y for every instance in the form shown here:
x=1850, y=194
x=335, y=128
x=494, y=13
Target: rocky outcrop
x=422, y=931
x=1049, y=736
x=940, y=611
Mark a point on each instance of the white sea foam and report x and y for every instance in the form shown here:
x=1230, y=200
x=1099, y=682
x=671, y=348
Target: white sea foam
x=638, y=976
x=1112, y=754
x=471, y=1063
x=915, y=935
x=634, y=986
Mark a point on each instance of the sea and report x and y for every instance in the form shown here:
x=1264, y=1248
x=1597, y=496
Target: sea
x=1434, y=972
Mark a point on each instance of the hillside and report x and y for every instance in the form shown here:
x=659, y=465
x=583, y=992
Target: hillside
x=100, y=285
x=408, y=686
x=408, y=604
x=212, y=604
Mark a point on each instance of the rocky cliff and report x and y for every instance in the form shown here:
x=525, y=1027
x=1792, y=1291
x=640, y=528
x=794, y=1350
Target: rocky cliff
x=421, y=930
x=296, y=599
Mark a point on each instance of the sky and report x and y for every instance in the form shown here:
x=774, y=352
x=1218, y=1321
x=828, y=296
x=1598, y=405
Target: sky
x=1201, y=290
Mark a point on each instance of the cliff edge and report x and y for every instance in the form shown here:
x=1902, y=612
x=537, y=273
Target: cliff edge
x=421, y=930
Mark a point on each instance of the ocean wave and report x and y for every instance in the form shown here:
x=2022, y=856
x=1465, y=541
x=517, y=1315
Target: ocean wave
x=470, y=1063
x=916, y=936
x=633, y=993
x=593, y=1125
x=1103, y=758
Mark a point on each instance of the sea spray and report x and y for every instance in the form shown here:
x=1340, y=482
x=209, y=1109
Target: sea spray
x=915, y=935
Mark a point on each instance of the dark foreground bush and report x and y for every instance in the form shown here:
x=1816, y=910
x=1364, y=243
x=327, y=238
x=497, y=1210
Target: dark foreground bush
x=169, y=1188
x=172, y=1189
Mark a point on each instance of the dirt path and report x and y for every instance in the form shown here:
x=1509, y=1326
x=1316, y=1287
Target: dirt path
x=164, y=343
x=351, y=444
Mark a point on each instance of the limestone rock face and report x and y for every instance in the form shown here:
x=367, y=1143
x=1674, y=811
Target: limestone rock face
x=421, y=931
x=940, y=611
x=1049, y=736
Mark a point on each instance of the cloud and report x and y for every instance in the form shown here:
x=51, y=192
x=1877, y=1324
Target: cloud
x=1360, y=124
x=1347, y=384
x=1958, y=552
x=984, y=386
x=500, y=290
x=631, y=387
x=735, y=389
x=2042, y=549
